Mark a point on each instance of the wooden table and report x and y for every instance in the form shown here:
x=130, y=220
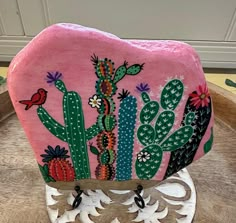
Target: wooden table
x=22, y=195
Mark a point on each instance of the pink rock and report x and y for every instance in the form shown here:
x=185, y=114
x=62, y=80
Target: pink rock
x=94, y=106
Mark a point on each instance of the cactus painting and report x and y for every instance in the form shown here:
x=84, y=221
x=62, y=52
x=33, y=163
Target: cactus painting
x=154, y=131
x=198, y=111
x=74, y=132
x=106, y=88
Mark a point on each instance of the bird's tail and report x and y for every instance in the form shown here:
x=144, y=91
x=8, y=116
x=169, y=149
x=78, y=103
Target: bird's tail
x=28, y=104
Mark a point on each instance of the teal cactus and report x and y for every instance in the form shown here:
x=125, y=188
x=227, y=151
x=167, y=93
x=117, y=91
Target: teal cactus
x=172, y=94
x=74, y=132
x=126, y=126
x=106, y=88
x=157, y=139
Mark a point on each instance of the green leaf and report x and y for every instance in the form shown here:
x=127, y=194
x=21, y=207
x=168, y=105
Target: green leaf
x=45, y=168
x=44, y=171
x=94, y=150
x=230, y=83
x=51, y=179
x=208, y=144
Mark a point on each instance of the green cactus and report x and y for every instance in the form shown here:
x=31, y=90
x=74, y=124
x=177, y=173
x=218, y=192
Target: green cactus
x=106, y=156
x=163, y=125
x=123, y=70
x=126, y=127
x=172, y=94
x=148, y=161
x=106, y=122
x=73, y=132
x=106, y=88
x=149, y=112
x=184, y=155
x=189, y=118
x=177, y=139
x=120, y=72
x=146, y=134
x=145, y=97
x=134, y=69
x=156, y=138
x=92, y=131
x=51, y=124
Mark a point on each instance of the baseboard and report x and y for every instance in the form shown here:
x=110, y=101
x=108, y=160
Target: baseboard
x=212, y=54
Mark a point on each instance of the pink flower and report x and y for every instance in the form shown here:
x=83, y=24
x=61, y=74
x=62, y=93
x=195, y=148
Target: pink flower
x=201, y=97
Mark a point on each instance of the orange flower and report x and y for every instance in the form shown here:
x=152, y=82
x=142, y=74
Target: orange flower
x=200, y=97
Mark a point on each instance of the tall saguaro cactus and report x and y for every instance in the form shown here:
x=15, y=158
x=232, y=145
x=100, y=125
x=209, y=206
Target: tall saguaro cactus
x=156, y=137
x=74, y=132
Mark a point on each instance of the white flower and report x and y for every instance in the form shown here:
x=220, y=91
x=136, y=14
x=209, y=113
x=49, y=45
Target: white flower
x=143, y=156
x=95, y=101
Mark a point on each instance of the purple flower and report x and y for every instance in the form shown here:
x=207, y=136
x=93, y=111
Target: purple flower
x=53, y=77
x=143, y=87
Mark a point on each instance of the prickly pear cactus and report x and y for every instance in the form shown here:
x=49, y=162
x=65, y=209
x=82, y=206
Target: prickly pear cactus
x=197, y=111
x=172, y=94
x=156, y=137
x=148, y=161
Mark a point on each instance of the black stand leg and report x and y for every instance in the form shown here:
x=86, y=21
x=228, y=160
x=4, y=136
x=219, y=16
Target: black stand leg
x=78, y=198
x=139, y=200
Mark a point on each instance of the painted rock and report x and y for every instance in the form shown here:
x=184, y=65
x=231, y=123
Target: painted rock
x=100, y=111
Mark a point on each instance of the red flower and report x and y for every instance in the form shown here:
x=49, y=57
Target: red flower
x=200, y=97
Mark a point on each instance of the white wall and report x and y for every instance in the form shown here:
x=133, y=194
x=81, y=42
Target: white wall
x=208, y=25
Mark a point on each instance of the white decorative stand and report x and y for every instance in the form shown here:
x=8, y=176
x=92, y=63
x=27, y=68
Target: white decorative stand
x=173, y=200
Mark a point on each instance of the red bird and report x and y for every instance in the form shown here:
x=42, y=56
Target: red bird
x=38, y=98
